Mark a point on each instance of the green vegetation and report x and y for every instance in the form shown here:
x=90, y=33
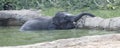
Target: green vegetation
x=98, y=12
x=65, y=4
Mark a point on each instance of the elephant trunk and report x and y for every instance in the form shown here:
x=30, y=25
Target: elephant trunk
x=81, y=15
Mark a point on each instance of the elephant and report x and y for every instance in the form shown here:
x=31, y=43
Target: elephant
x=61, y=20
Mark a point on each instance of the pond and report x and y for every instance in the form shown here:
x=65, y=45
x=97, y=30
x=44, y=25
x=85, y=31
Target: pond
x=11, y=36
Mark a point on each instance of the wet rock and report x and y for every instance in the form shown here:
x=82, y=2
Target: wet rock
x=18, y=17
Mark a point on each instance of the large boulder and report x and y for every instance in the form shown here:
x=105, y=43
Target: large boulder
x=18, y=17
x=99, y=23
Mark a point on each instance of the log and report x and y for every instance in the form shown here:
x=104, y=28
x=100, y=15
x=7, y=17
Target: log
x=17, y=17
x=99, y=23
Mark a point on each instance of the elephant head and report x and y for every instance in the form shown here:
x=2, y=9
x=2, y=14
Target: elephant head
x=64, y=20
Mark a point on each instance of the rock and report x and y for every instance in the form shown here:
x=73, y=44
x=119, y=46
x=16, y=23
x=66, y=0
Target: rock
x=114, y=23
x=18, y=17
x=99, y=23
x=97, y=41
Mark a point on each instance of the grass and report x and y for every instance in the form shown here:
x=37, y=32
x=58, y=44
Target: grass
x=11, y=36
x=98, y=13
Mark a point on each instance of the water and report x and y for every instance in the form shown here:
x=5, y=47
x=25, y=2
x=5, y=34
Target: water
x=11, y=36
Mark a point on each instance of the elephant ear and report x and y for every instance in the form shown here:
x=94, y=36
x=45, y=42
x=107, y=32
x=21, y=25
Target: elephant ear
x=60, y=17
x=57, y=18
x=55, y=21
x=81, y=15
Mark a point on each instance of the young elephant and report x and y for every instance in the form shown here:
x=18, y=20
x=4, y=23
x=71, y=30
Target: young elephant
x=62, y=20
